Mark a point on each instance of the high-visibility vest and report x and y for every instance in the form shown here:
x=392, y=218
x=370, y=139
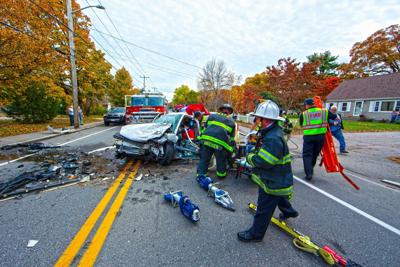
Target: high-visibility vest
x=315, y=121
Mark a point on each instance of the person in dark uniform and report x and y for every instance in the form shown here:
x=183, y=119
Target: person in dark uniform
x=217, y=139
x=271, y=171
x=314, y=122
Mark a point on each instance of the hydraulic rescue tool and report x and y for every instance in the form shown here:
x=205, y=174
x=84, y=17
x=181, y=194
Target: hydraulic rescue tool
x=242, y=167
x=188, y=209
x=221, y=197
x=304, y=243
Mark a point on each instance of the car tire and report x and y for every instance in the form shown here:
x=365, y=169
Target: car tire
x=169, y=152
x=106, y=123
x=119, y=155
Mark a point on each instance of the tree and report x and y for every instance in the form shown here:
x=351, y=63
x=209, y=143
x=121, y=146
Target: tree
x=34, y=49
x=28, y=50
x=184, y=95
x=122, y=85
x=378, y=54
x=93, y=80
x=212, y=79
x=327, y=85
x=34, y=103
x=292, y=82
x=326, y=62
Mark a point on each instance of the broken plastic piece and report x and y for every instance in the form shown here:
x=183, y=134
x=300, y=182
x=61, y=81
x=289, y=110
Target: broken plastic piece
x=139, y=177
x=32, y=243
x=85, y=179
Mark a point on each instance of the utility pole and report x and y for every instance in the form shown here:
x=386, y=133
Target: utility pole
x=73, y=64
x=74, y=78
x=144, y=81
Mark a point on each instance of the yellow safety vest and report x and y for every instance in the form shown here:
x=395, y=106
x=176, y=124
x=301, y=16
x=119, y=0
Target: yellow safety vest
x=315, y=121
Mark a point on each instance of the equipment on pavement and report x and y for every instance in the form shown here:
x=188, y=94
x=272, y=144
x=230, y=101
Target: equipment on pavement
x=304, y=243
x=188, y=209
x=328, y=153
x=221, y=197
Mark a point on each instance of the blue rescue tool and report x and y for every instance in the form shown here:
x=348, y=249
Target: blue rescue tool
x=220, y=196
x=188, y=209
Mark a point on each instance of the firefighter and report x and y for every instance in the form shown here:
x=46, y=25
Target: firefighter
x=271, y=171
x=314, y=122
x=200, y=119
x=218, y=139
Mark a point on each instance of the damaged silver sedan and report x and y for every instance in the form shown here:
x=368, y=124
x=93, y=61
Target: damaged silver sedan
x=171, y=136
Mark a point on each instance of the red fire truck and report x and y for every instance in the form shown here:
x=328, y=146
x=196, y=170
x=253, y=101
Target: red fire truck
x=144, y=107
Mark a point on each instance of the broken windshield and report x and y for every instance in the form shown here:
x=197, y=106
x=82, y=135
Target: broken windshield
x=172, y=119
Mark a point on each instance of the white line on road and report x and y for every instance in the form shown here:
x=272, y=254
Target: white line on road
x=351, y=207
x=101, y=149
x=63, y=144
x=371, y=182
x=86, y=136
x=14, y=160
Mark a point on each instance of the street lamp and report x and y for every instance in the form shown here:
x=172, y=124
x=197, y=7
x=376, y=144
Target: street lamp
x=72, y=56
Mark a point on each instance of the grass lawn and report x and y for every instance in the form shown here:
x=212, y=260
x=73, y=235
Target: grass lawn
x=361, y=126
x=352, y=126
x=11, y=127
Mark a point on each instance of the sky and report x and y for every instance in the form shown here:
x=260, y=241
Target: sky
x=248, y=35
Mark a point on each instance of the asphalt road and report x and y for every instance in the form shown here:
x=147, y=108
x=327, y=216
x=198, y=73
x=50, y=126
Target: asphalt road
x=361, y=225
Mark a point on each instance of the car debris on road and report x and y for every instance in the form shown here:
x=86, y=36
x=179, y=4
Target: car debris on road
x=53, y=168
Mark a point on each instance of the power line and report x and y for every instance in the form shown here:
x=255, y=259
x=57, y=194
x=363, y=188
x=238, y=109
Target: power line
x=149, y=50
x=119, y=34
x=66, y=26
x=162, y=68
x=129, y=50
x=106, y=51
x=14, y=28
x=111, y=46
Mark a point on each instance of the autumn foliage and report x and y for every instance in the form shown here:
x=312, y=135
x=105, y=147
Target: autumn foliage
x=34, y=59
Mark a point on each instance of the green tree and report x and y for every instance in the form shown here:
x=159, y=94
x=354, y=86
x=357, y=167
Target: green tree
x=122, y=85
x=270, y=96
x=33, y=103
x=185, y=95
x=326, y=62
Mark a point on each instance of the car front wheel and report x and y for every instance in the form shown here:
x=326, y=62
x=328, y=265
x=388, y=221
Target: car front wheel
x=168, y=154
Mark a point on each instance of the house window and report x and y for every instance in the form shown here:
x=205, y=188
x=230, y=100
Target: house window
x=398, y=105
x=376, y=106
x=344, y=106
x=387, y=106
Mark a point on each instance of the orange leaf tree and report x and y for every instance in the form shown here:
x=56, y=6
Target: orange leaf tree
x=378, y=54
x=291, y=82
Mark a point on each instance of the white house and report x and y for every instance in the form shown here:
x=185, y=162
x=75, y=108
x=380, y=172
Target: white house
x=375, y=97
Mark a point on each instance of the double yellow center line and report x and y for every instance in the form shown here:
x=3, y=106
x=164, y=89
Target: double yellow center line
x=90, y=256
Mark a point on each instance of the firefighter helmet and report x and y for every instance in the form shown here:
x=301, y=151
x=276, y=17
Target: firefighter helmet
x=268, y=110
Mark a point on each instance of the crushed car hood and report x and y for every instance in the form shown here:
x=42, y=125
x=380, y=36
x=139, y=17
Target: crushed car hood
x=144, y=132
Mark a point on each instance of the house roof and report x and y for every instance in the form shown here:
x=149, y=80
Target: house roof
x=374, y=87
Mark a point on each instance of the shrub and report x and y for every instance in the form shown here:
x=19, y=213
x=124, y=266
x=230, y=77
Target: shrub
x=35, y=105
x=98, y=110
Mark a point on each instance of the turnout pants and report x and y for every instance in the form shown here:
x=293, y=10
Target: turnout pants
x=312, y=145
x=206, y=153
x=265, y=210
